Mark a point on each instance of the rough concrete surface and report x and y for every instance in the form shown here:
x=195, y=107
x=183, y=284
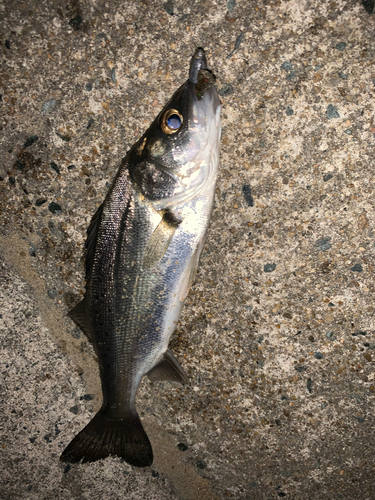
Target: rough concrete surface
x=277, y=334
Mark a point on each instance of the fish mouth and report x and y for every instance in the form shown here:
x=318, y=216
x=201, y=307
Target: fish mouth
x=200, y=77
x=198, y=62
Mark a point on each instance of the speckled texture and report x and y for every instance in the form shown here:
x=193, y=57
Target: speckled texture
x=277, y=335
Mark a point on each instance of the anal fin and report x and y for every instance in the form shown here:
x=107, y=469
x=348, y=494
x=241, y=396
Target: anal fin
x=168, y=369
x=79, y=316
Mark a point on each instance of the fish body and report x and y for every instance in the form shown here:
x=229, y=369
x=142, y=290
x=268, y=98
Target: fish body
x=142, y=252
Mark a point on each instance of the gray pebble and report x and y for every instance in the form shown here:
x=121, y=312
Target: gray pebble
x=287, y=66
x=268, y=268
x=55, y=167
x=246, y=189
x=226, y=89
x=330, y=336
x=169, y=7
x=113, y=75
x=231, y=5
x=87, y=397
x=332, y=112
x=32, y=249
x=341, y=46
x=360, y=419
x=63, y=137
x=357, y=267
x=323, y=244
x=309, y=385
x=51, y=294
x=74, y=409
x=48, y=105
x=318, y=355
x=289, y=111
x=54, y=208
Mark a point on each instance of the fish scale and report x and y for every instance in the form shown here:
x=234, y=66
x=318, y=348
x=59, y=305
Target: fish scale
x=142, y=252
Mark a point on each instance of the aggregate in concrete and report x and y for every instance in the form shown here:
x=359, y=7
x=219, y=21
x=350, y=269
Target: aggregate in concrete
x=277, y=335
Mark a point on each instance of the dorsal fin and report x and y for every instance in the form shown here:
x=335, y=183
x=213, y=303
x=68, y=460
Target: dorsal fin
x=79, y=316
x=90, y=244
x=79, y=312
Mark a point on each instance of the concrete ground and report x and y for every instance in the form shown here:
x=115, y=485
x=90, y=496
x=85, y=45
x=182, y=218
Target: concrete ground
x=277, y=335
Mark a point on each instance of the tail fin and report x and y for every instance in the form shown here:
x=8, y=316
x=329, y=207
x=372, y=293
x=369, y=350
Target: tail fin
x=104, y=436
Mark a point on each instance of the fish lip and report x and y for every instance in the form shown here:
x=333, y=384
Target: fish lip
x=198, y=61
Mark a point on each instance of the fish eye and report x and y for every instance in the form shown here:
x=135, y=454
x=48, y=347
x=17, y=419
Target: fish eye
x=171, y=121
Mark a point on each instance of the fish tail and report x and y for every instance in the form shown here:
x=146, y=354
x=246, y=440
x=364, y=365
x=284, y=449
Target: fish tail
x=104, y=436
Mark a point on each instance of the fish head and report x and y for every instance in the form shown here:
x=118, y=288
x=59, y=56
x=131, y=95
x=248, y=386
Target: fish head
x=178, y=154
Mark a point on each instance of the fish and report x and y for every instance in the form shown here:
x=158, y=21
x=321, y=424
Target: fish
x=141, y=255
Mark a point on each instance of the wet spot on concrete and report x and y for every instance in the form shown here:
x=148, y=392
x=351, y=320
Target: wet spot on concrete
x=200, y=464
x=182, y=446
x=30, y=141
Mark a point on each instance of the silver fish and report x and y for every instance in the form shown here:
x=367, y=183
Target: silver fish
x=142, y=253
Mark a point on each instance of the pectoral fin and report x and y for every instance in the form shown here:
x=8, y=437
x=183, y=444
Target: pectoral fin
x=160, y=240
x=168, y=369
x=192, y=271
